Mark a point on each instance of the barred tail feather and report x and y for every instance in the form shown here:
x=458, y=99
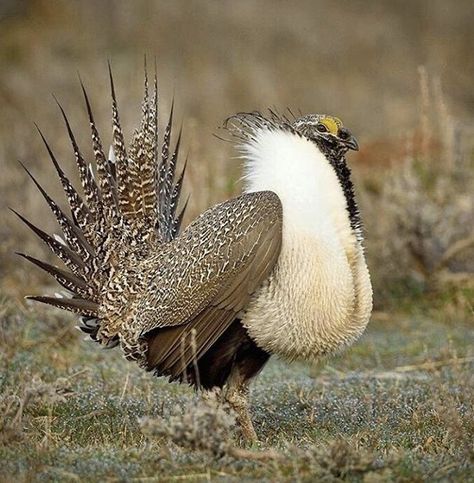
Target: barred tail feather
x=106, y=182
x=79, y=210
x=74, y=236
x=120, y=220
x=68, y=280
x=70, y=258
x=120, y=161
x=89, y=186
x=76, y=305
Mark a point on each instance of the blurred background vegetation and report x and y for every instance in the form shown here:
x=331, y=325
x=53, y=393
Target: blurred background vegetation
x=395, y=407
x=399, y=74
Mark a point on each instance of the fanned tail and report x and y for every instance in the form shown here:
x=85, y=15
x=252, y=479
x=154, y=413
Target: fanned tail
x=126, y=212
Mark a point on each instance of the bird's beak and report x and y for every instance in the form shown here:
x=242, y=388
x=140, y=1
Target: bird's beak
x=346, y=138
x=352, y=143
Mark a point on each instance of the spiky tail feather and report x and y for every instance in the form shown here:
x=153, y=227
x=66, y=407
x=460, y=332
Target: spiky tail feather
x=125, y=213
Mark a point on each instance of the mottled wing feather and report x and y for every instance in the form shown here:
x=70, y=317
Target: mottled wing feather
x=187, y=273
x=239, y=244
x=214, y=320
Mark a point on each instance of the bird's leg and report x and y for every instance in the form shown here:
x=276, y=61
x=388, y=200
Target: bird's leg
x=236, y=395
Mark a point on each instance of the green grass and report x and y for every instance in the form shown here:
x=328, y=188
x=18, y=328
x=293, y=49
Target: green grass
x=397, y=406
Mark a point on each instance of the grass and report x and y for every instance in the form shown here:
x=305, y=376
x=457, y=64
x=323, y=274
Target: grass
x=395, y=407
x=398, y=405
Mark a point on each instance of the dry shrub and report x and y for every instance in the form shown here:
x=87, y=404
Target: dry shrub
x=340, y=460
x=422, y=226
x=34, y=391
x=200, y=427
x=204, y=426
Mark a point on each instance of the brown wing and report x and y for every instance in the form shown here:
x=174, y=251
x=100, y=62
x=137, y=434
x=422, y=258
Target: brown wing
x=235, y=249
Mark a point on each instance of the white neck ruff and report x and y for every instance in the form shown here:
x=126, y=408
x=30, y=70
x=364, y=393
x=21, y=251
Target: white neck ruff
x=298, y=172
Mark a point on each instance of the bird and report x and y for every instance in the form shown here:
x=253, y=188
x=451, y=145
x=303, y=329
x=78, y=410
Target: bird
x=279, y=270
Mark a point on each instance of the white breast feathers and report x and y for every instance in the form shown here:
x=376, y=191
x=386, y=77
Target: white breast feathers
x=319, y=296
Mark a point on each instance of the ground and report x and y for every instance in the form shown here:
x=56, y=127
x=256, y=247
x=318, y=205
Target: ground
x=397, y=406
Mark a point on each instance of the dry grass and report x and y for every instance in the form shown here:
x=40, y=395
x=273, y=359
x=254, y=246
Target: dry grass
x=425, y=209
x=219, y=58
x=398, y=405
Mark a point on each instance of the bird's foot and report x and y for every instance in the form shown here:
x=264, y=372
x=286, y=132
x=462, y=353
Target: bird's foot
x=238, y=402
x=247, y=430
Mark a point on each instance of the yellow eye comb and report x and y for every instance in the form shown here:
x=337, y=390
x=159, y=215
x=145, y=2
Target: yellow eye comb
x=332, y=123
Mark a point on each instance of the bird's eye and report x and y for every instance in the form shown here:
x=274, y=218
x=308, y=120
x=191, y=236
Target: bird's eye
x=321, y=128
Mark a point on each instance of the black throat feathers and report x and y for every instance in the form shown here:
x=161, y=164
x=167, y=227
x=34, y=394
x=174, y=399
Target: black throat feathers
x=336, y=157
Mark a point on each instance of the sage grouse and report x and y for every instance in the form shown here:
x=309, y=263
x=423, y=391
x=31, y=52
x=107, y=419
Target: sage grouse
x=278, y=270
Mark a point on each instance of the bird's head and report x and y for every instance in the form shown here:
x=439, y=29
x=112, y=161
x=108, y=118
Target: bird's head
x=327, y=132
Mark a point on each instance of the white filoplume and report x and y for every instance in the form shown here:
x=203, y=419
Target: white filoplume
x=319, y=297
